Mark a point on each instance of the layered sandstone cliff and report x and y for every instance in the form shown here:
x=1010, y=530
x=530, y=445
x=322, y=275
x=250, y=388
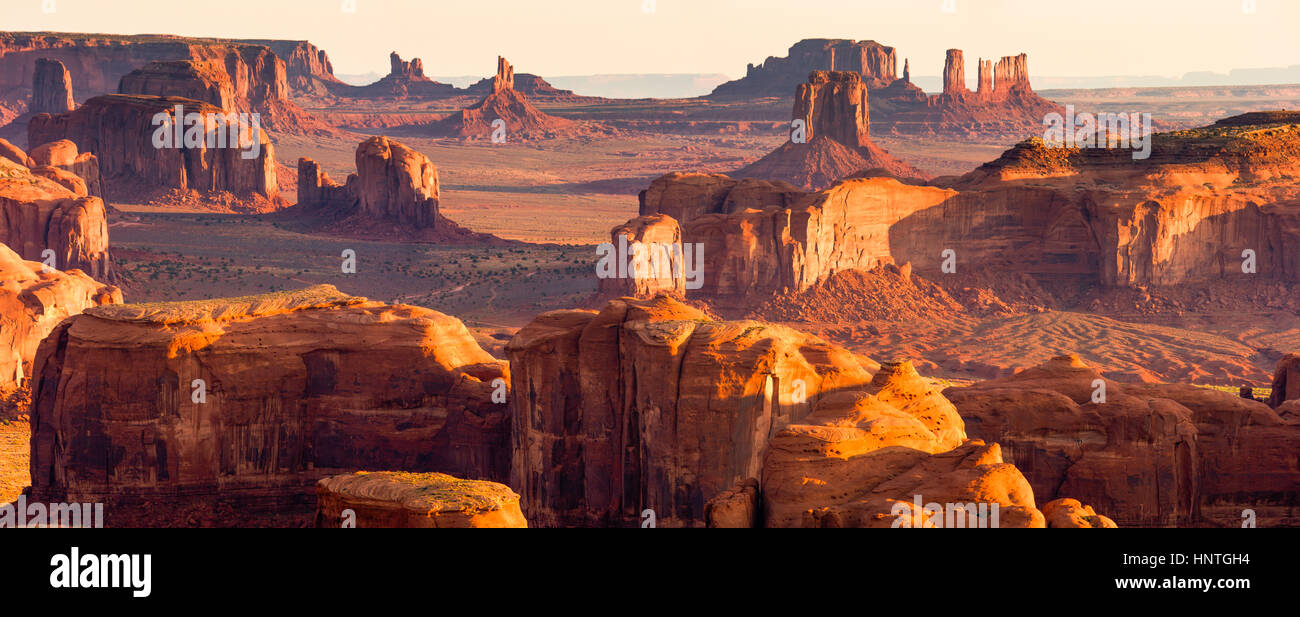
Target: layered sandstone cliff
x=649, y=405
x=137, y=152
x=405, y=500
x=33, y=300
x=876, y=63
x=1145, y=454
x=39, y=212
x=234, y=409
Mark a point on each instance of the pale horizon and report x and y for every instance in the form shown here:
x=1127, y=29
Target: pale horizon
x=608, y=37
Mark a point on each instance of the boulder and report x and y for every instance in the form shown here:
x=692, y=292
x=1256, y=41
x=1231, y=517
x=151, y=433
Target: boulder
x=233, y=409
x=390, y=499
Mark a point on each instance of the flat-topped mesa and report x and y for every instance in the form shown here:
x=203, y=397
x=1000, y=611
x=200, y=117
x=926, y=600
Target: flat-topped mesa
x=234, y=408
x=231, y=156
x=191, y=79
x=33, y=300
x=51, y=88
x=41, y=209
x=954, y=73
x=393, y=183
x=505, y=77
x=405, y=500
x=834, y=104
x=876, y=63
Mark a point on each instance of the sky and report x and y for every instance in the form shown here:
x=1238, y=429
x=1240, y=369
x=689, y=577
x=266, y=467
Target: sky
x=586, y=37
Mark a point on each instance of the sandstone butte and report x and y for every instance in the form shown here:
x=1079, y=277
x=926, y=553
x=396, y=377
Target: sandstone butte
x=1003, y=106
x=233, y=409
x=393, y=194
x=415, y=500
x=649, y=404
x=51, y=88
x=32, y=302
x=119, y=128
x=522, y=119
x=1148, y=455
x=1187, y=214
x=262, y=75
x=48, y=208
x=833, y=113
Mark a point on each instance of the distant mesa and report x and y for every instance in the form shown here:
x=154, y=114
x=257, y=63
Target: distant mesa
x=122, y=127
x=1003, y=105
x=830, y=137
x=257, y=76
x=393, y=194
x=519, y=119
x=404, y=80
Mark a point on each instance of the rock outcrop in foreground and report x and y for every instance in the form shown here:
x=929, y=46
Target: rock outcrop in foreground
x=651, y=405
x=389, y=499
x=33, y=301
x=394, y=194
x=231, y=157
x=42, y=209
x=830, y=137
x=233, y=409
x=1149, y=455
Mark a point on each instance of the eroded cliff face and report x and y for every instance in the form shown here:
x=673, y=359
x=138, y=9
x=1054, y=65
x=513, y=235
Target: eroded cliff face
x=1209, y=204
x=33, y=300
x=876, y=63
x=1145, y=454
x=227, y=412
x=650, y=405
x=39, y=212
x=120, y=130
x=51, y=88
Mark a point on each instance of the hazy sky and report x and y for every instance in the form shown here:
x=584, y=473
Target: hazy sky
x=579, y=37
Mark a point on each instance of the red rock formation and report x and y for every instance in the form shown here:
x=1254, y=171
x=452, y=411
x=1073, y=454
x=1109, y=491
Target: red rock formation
x=650, y=405
x=505, y=104
x=98, y=62
x=876, y=63
x=954, y=74
x=32, y=302
x=1069, y=513
x=1146, y=454
x=51, y=88
x=406, y=500
x=307, y=67
x=985, y=88
x=62, y=154
x=295, y=387
x=393, y=194
x=404, y=80
x=39, y=214
x=832, y=112
x=659, y=238
x=14, y=154
x=121, y=130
